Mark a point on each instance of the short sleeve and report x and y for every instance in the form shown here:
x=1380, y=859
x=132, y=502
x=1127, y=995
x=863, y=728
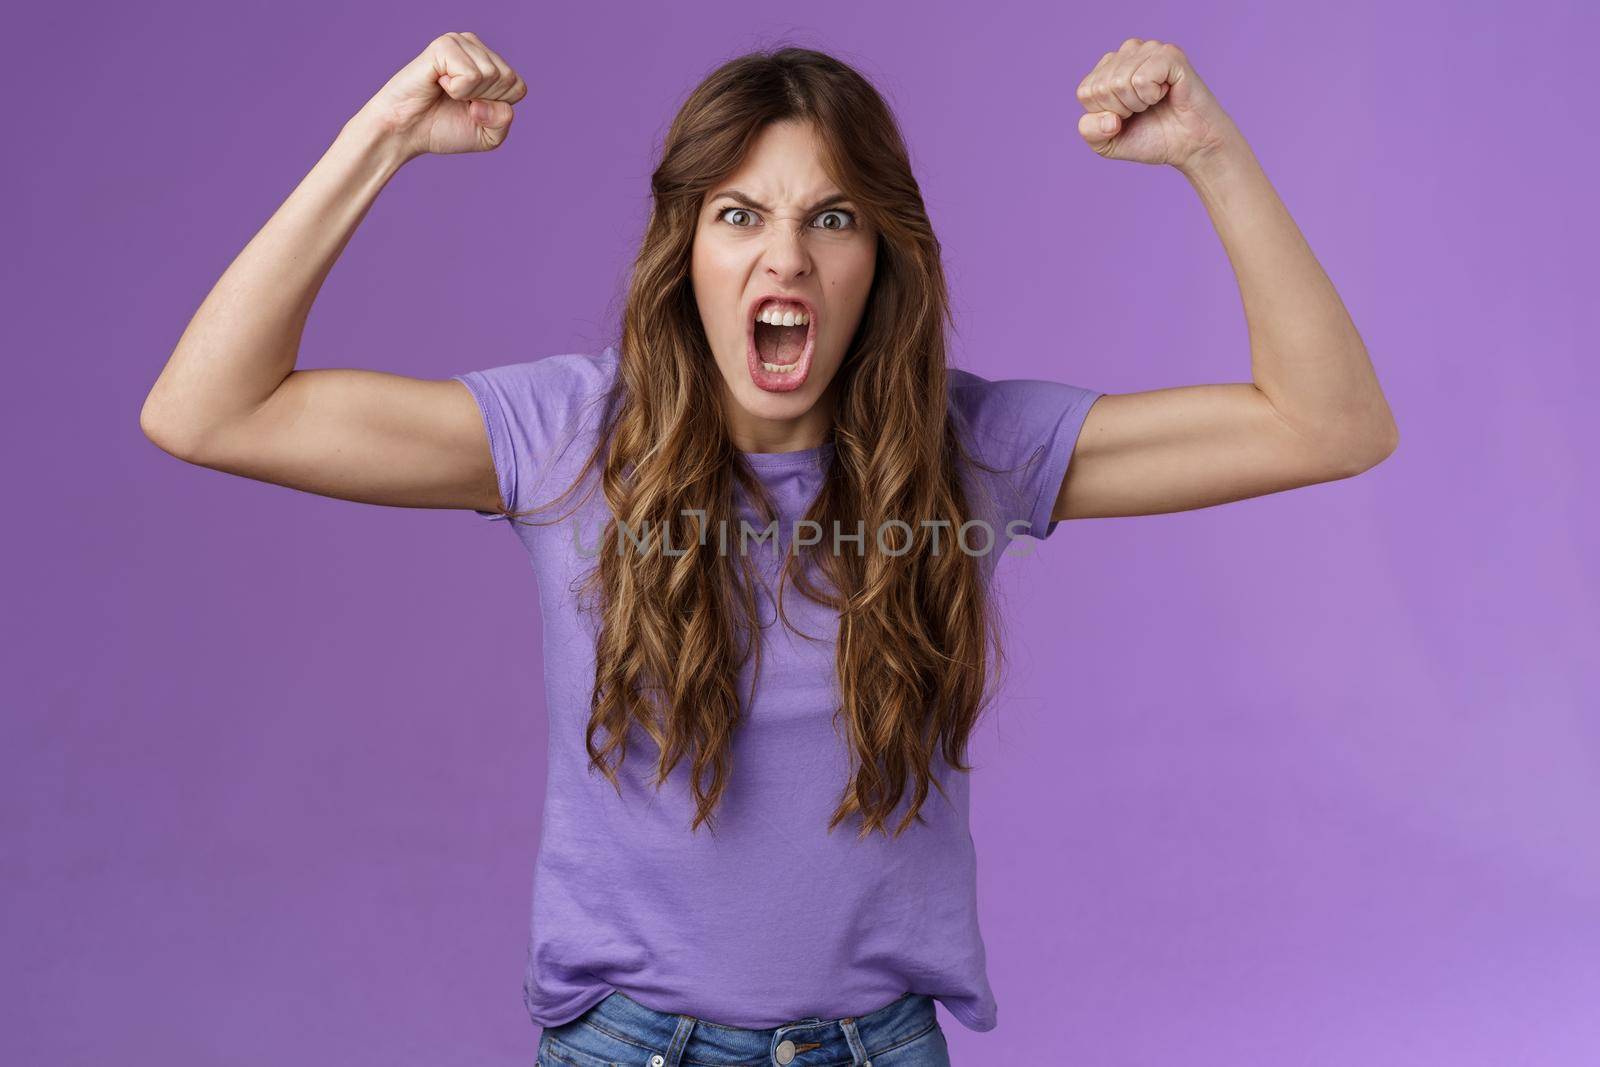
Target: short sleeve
x=1026, y=429
x=534, y=414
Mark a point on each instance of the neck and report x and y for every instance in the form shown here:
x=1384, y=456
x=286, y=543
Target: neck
x=752, y=434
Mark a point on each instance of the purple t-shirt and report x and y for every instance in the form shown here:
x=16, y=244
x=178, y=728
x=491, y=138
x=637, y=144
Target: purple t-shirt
x=771, y=918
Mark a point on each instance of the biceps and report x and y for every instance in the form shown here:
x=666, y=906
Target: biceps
x=363, y=435
x=1189, y=447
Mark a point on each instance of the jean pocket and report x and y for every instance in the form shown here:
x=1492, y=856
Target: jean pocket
x=577, y=1044
x=927, y=1049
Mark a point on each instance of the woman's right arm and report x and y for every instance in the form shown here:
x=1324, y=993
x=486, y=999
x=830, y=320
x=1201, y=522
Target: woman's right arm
x=230, y=397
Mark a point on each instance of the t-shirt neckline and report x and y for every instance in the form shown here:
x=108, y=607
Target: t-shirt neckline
x=801, y=457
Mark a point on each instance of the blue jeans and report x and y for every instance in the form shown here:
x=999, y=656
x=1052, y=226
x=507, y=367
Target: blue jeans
x=621, y=1031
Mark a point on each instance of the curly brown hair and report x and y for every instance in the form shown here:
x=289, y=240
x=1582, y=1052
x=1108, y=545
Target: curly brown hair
x=918, y=642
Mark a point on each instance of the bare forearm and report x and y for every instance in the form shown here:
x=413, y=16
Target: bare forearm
x=1306, y=354
x=243, y=341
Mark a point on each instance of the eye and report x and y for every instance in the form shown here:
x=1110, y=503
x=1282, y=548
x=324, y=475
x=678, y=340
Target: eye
x=727, y=213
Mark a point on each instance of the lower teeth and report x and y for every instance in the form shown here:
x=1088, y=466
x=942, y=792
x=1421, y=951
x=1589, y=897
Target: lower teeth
x=779, y=368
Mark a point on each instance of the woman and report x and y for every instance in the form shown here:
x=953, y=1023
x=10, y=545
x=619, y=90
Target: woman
x=778, y=412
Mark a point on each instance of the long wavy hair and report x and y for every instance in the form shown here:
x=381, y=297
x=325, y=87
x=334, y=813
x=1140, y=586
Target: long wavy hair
x=918, y=642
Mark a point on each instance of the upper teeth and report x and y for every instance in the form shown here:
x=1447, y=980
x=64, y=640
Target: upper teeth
x=779, y=314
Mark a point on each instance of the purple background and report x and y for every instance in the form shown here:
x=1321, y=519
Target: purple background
x=1311, y=778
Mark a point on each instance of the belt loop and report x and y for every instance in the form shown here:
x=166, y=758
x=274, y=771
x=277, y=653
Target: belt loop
x=858, y=1051
x=680, y=1039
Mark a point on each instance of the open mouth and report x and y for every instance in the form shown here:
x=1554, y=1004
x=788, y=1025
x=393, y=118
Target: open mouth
x=779, y=355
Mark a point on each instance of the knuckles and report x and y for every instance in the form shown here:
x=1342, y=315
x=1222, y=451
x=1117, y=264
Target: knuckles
x=1089, y=88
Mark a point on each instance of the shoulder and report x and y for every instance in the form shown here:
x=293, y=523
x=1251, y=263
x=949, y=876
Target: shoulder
x=1002, y=413
x=1021, y=433
x=569, y=376
x=540, y=415
x=538, y=400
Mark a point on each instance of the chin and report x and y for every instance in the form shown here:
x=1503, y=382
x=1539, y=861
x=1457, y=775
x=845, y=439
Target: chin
x=776, y=406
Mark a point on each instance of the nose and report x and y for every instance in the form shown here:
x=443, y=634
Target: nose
x=785, y=254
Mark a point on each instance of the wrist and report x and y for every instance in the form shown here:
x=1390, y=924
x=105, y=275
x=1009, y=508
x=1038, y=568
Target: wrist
x=1226, y=156
x=368, y=136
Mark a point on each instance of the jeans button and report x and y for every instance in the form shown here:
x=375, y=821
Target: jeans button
x=657, y=1060
x=785, y=1051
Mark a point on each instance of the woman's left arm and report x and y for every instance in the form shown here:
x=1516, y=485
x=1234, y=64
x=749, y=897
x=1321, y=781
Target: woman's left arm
x=1314, y=411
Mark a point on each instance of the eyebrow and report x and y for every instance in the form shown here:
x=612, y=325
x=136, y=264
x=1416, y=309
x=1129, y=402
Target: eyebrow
x=745, y=201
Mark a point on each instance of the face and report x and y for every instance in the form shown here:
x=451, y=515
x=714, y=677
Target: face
x=782, y=234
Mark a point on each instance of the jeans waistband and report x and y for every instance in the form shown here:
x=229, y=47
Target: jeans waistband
x=686, y=1038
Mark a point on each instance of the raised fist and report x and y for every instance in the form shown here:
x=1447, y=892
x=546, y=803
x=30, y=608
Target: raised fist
x=1145, y=103
x=454, y=97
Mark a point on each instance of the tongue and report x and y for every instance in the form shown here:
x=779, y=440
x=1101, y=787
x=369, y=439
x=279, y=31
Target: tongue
x=780, y=344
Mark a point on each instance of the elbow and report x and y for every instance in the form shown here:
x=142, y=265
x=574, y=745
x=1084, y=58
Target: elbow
x=1364, y=451
x=164, y=432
